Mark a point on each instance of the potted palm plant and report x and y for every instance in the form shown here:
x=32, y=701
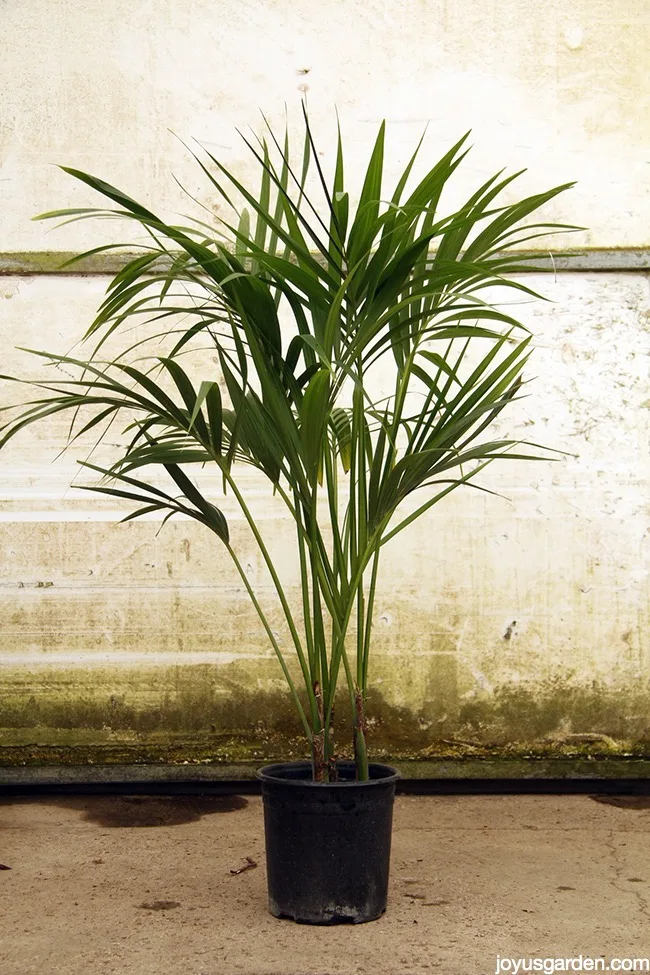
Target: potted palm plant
x=304, y=302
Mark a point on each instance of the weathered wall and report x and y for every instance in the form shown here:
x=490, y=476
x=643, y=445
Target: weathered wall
x=561, y=88
x=498, y=622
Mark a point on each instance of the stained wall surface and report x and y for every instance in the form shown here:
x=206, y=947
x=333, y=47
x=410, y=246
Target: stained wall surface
x=520, y=622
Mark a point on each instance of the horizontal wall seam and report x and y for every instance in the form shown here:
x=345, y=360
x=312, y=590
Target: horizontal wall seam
x=621, y=259
x=568, y=774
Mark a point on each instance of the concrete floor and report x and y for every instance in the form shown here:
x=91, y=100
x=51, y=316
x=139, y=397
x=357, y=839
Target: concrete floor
x=143, y=886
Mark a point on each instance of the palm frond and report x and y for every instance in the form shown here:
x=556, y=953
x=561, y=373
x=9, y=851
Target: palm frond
x=386, y=282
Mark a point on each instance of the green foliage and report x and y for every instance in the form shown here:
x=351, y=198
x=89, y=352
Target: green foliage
x=393, y=284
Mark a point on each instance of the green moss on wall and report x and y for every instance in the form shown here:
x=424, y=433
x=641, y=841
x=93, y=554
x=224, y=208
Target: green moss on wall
x=213, y=714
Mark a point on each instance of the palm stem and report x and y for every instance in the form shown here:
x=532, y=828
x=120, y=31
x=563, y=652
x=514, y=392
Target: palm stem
x=277, y=584
x=363, y=683
x=274, y=643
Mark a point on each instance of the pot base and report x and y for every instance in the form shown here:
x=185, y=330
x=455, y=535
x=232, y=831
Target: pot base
x=329, y=915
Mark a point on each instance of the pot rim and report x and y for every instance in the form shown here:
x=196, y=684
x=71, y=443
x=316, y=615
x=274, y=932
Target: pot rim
x=272, y=774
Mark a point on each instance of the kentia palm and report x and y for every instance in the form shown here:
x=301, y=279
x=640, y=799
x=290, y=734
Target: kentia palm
x=394, y=281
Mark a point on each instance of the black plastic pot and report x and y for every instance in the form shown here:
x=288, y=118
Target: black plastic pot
x=327, y=844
